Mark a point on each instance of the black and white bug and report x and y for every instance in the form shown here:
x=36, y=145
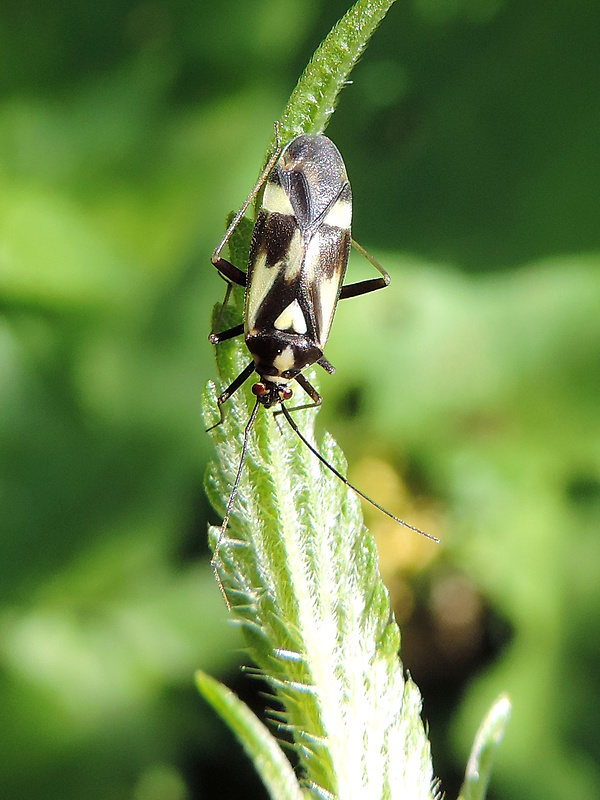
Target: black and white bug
x=297, y=263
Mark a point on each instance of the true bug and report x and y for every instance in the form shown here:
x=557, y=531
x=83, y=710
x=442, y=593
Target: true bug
x=296, y=267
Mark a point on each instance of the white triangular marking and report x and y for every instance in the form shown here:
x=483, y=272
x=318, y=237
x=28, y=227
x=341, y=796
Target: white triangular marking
x=291, y=319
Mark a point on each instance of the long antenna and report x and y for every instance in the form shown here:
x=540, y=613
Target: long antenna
x=329, y=466
x=231, y=500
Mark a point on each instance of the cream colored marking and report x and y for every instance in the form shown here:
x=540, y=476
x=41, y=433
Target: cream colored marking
x=277, y=379
x=339, y=215
x=327, y=299
x=295, y=254
x=291, y=319
x=276, y=200
x=262, y=281
x=284, y=361
x=312, y=257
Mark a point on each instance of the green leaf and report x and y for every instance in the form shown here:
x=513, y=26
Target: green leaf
x=296, y=565
x=271, y=763
x=313, y=100
x=300, y=573
x=485, y=746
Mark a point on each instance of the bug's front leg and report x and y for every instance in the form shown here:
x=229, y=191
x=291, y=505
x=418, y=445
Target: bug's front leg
x=231, y=389
x=310, y=391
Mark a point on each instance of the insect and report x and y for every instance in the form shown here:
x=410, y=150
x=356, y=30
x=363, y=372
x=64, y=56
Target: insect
x=296, y=268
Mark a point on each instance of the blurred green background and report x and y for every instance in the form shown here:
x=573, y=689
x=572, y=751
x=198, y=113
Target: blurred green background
x=469, y=388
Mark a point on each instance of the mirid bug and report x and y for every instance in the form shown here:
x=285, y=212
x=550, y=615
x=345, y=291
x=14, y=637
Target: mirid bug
x=296, y=267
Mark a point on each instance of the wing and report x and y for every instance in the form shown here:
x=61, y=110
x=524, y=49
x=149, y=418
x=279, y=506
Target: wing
x=301, y=242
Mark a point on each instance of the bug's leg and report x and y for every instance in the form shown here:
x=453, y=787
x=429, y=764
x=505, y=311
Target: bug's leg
x=231, y=389
x=215, y=337
x=230, y=333
x=227, y=270
x=221, y=336
x=322, y=362
x=364, y=287
x=345, y=480
x=310, y=391
x=230, y=273
x=222, y=265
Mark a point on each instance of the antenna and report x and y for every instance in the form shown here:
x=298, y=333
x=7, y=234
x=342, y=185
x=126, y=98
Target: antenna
x=321, y=458
x=329, y=466
x=231, y=500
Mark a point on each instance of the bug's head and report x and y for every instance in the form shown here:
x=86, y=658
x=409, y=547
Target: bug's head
x=279, y=357
x=269, y=393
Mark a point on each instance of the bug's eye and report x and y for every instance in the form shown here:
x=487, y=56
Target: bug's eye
x=286, y=393
x=259, y=389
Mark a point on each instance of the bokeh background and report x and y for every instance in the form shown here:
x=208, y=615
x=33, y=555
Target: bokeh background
x=466, y=397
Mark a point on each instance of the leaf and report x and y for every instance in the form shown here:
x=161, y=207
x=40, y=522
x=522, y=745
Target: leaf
x=256, y=739
x=485, y=746
x=313, y=100
x=300, y=573
x=297, y=566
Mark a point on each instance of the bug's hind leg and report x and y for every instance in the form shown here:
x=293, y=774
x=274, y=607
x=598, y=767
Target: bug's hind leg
x=371, y=285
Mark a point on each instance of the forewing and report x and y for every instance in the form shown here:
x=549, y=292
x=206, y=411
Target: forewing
x=274, y=270
x=301, y=242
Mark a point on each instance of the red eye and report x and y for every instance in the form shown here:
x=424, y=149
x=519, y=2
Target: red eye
x=259, y=389
x=286, y=393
